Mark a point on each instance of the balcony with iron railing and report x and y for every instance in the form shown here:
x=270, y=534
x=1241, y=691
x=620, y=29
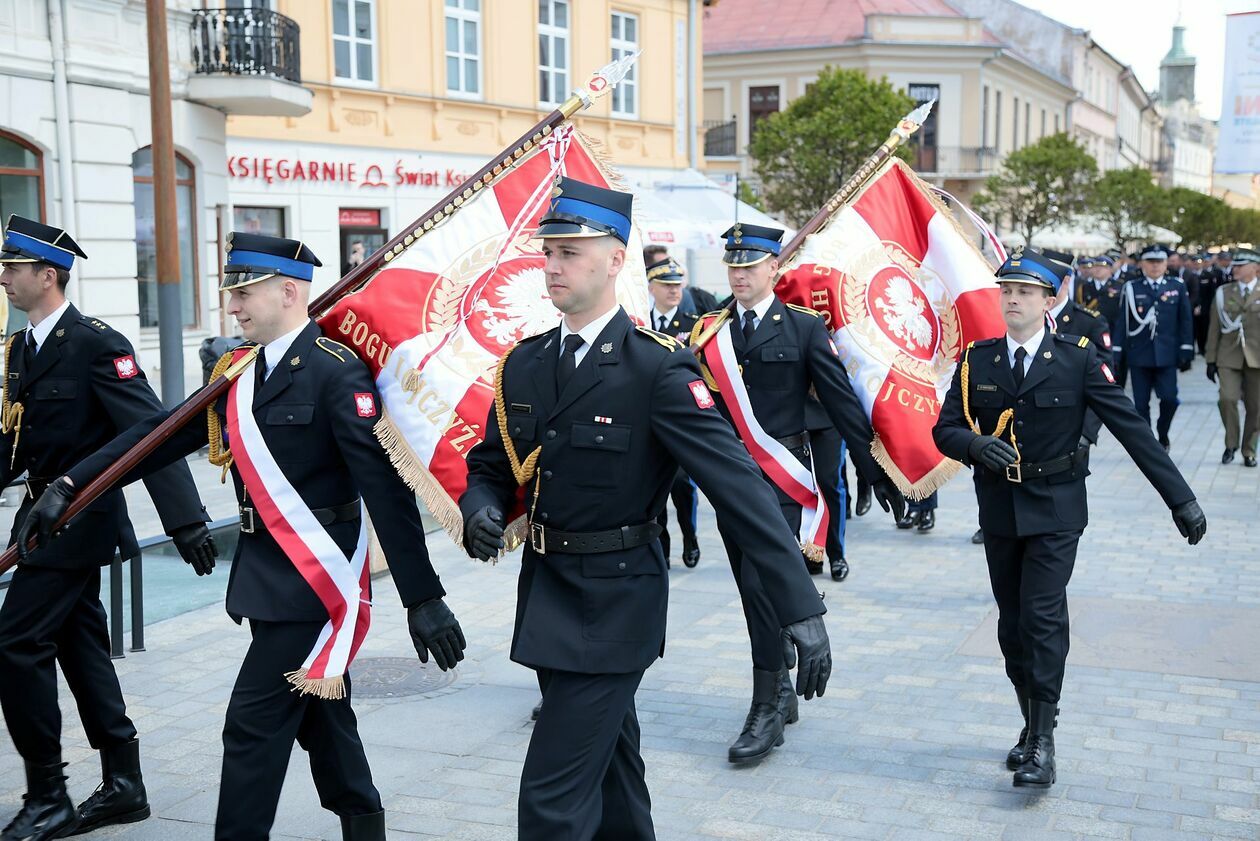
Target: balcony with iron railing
x=954, y=161
x=719, y=138
x=247, y=61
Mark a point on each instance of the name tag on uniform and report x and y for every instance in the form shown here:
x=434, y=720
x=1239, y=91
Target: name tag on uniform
x=985, y=387
x=522, y=407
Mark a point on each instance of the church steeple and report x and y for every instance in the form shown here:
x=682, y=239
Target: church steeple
x=1176, y=71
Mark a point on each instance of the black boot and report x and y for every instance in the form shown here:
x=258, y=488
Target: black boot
x=1015, y=756
x=691, y=552
x=839, y=569
x=813, y=567
x=789, y=706
x=363, y=827
x=908, y=520
x=120, y=798
x=763, y=729
x=927, y=520
x=1037, y=770
x=46, y=808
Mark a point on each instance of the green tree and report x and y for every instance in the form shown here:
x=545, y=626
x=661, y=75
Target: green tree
x=1198, y=218
x=804, y=153
x=745, y=193
x=1241, y=225
x=1040, y=185
x=1127, y=203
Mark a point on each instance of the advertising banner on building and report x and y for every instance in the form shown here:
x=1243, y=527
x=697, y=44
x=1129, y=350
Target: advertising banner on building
x=1238, y=144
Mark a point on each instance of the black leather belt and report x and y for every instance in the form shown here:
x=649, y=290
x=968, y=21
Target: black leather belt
x=544, y=540
x=1019, y=472
x=793, y=442
x=250, y=522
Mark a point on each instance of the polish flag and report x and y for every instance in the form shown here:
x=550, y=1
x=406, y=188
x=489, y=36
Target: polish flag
x=433, y=323
x=903, y=291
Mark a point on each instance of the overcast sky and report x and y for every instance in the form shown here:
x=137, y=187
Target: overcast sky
x=1139, y=33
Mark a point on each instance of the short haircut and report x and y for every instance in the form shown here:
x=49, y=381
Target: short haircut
x=653, y=253
x=63, y=275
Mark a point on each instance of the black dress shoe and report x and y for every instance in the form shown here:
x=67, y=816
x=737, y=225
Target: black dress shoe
x=813, y=567
x=908, y=520
x=46, y=812
x=120, y=798
x=927, y=520
x=363, y=827
x=863, y=503
x=978, y=537
x=691, y=553
x=763, y=728
x=1249, y=461
x=1227, y=456
x=1164, y=442
x=1037, y=769
x=839, y=569
x=537, y=711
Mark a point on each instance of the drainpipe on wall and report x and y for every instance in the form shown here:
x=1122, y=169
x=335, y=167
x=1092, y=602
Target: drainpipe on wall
x=65, y=148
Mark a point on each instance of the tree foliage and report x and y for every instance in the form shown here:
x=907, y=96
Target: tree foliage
x=804, y=153
x=1126, y=202
x=1040, y=185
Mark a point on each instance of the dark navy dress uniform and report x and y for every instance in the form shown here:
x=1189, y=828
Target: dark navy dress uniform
x=1154, y=338
x=1075, y=320
x=321, y=437
x=1034, y=512
x=1100, y=296
x=81, y=388
x=592, y=592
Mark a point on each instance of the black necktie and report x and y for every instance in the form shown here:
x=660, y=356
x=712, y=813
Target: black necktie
x=29, y=350
x=661, y=322
x=749, y=327
x=1018, y=371
x=568, y=360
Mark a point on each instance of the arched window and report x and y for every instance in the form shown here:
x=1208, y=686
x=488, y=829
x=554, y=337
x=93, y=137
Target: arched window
x=21, y=192
x=146, y=241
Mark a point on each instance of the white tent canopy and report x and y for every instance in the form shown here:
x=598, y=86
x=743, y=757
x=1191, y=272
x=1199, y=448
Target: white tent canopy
x=687, y=210
x=1085, y=236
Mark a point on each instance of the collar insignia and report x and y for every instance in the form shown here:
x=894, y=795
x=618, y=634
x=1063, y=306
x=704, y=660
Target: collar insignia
x=606, y=347
x=297, y=360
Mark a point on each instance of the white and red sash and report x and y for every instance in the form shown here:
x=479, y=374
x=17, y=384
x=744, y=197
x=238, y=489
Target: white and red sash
x=774, y=459
x=341, y=584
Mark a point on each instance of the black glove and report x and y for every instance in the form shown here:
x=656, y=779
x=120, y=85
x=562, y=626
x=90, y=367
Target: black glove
x=1185, y=365
x=435, y=629
x=1211, y=371
x=52, y=503
x=808, y=639
x=1191, y=521
x=483, y=533
x=196, y=546
x=993, y=453
x=889, y=498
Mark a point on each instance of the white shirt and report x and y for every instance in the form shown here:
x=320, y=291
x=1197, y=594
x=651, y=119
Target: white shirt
x=1246, y=288
x=1058, y=308
x=44, y=329
x=1030, y=346
x=759, y=311
x=275, y=350
x=656, y=318
x=589, y=334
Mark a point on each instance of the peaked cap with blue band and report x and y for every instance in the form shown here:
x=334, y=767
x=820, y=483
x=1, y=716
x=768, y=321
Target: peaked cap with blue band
x=578, y=209
x=28, y=241
x=1155, y=251
x=666, y=271
x=255, y=257
x=1028, y=265
x=747, y=245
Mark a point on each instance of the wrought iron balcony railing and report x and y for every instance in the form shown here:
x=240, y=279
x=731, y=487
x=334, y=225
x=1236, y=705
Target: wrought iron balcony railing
x=246, y=42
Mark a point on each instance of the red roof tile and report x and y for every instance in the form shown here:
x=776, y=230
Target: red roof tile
x=746, y=25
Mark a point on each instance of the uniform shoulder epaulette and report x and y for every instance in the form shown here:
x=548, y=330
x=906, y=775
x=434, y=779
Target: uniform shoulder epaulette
x=805, y=310
x=1094, y=313
x=668, y=342
x=334, y=348
x=95, y=324
x=982, y=343
x=1079, y=341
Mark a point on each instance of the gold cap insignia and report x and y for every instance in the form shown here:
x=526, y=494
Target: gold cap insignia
x=606, y=347
x=738, y=234
x=556, y=192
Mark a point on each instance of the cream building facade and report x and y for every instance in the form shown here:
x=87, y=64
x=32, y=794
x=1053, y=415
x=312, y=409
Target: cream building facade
x=990, y=100
x=412, y=95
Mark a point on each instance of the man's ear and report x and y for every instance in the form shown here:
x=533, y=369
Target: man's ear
x=616, y=259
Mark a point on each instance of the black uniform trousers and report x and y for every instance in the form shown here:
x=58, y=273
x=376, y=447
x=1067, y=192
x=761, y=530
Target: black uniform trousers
x=1164, y=382
x=686, y=499
x=764, y=628
x=592, y=789
x=52, y=616
x=264, y=716
x=1029, y=576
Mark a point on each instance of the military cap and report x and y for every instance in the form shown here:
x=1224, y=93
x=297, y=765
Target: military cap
x=1104, y=260
x=1154, y=251
x=255, y=257
x=1028, y=265
x=1059, y=256
x=28, y=241
x=578, y=209
x=1243, y=256
x=1086, y=262
x=747, y=245
x=665, y=271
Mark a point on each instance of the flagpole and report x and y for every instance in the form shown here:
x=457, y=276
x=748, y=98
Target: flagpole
x=596, y=86
x=908, y=125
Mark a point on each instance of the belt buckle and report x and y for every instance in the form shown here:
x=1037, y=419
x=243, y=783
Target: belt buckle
x=538, y=538
x=1015, y=473
x=247, y=520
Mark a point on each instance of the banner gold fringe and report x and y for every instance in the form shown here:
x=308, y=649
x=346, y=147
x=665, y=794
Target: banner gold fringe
x=925, y=487
x=324, y=688
x=814, y=552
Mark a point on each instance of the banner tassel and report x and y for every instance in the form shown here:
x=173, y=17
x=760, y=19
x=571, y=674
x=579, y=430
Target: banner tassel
x=932, y=481
x=324, y=688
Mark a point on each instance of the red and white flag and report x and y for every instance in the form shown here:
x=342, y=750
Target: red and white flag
x=903, y=291
x=434, y=321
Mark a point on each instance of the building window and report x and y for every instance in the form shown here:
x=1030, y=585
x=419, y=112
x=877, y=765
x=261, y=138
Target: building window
x=1056, y=123
x=997, y=121
x=924, y=140
x=463, y=47
x=268, y=221
x=762, y=102
x=21, y=192
x=625, y=41
x=1043, y=122
x=1027, y=120
x=1014, y=123
x=984, y=119
x=553, y=51
x=146, y=240
x=354, y=39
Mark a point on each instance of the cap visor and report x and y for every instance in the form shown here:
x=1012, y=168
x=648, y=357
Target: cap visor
x=745, y=257
x=235, y=280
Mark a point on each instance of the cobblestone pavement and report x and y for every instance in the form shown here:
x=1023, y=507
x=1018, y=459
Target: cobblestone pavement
x=1159, y=737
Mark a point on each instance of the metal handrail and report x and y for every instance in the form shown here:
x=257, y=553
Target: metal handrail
x=246, y=42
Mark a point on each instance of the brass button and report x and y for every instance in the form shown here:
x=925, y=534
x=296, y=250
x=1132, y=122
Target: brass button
x=621, y=565
x=288, y=417
x=551, y=433
x=599, y=439
x=516, y=430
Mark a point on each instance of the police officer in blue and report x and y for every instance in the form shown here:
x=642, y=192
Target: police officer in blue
x=1016, y=413
x=72, y=382
x=665, y=288
x=315, y=407
x=1155, y=337
x=593, y=419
